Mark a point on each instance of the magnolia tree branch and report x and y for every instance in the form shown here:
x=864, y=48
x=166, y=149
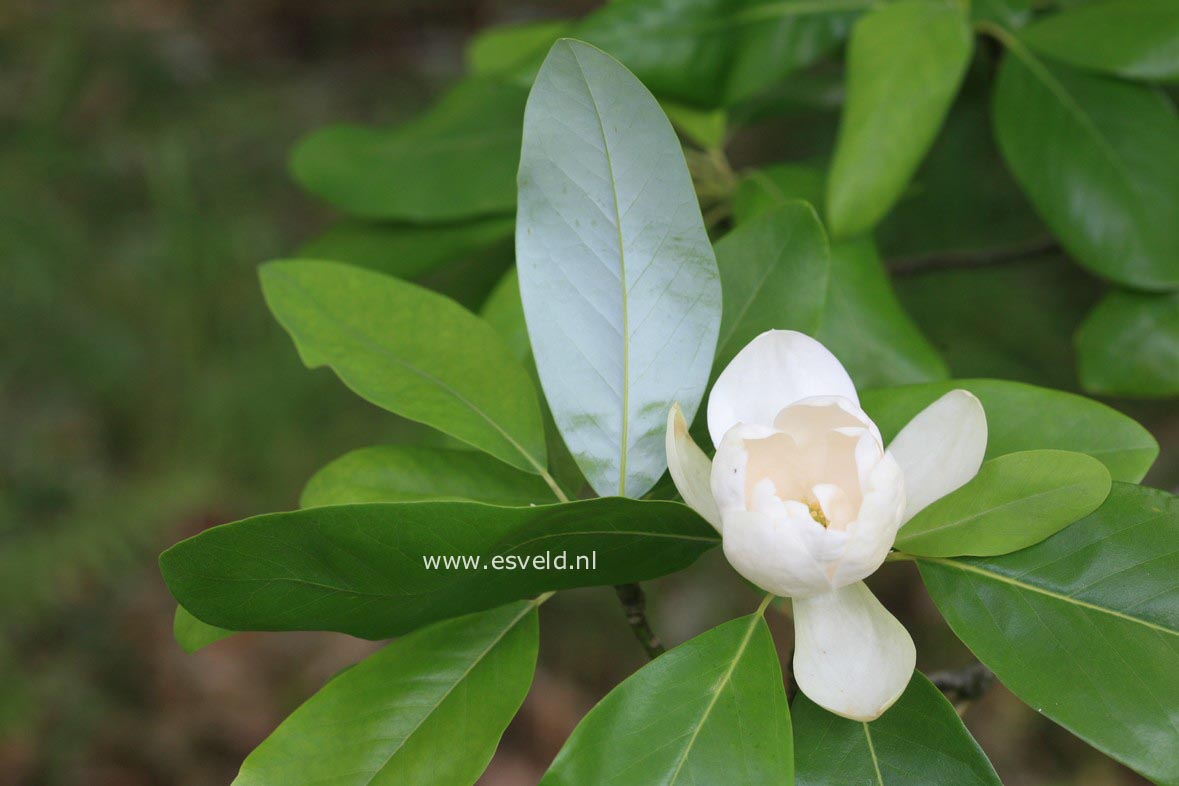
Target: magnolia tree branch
x=965, y=684
x=986, y=257
x=635, y=603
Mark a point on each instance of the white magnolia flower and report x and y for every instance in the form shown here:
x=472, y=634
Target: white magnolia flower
x=808, y=503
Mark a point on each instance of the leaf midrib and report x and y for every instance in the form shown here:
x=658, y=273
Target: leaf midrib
x=621, y=279
x=720, y=687
x=528, y=608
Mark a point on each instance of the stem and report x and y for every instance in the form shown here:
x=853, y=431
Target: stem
x=634, y=602
x=956, y=260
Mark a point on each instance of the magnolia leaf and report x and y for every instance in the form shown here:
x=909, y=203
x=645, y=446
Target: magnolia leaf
x=404, y=473
x=714, y=52
x=773, y=273
x=406, y=250
x=411, y=351
x=1135, y=39
x=456, y=161
x=712, y=710
x=1015, y=501
x=919, y=740
x=1025, y=417
x=862, y=322
x=905, y=63
x=1084, y=626
x=376, y=570
x=395, y=716
x=1099, y=159
x=618, y=279
x=513, y=51
x=1129, y=346
x=192, y=634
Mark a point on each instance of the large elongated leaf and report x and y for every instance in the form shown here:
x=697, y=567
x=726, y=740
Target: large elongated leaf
x=1099, y=158
x=456, y=161
x=404, y=473
x=1084, y=627
x=1129, y=346
x=1026, y=417
x=862, y=321
x=919, y=741
x=1136, y=39
x=407, y=250
x=774, y=273
x=1016, y=500
x=366, y=569
x=411, y=351
x=905, y=63
x=712, y=710
x=618, y=279
x=396, y=716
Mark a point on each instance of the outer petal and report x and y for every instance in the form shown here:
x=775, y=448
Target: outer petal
x=941, y=449
x=851, y=656
x=773, y=371
x=777, y=553
x=690, y=468
x=871, y=535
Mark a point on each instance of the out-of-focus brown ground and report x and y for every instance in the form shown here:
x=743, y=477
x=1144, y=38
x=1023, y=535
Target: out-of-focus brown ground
x=145, y=394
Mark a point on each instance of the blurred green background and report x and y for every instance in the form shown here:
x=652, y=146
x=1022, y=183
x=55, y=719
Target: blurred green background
x=146, y=393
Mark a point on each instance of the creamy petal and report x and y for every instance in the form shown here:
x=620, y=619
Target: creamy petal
x=776, y=369
x=940, y=449
x=729, y=465
x=770, y=550
x=690, y=468
x=872, y=533
x=851, y=656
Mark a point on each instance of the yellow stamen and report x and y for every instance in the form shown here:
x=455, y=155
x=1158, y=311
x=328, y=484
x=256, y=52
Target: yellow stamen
x=817, y=514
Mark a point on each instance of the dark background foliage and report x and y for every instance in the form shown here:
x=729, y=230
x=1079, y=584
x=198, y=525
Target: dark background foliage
x=146, y=393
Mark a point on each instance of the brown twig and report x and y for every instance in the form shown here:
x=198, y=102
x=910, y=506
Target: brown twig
x=635, y=603
x=986, y=257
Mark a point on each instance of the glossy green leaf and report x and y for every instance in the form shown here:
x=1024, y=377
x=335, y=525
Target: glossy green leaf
x=411, y=351
x=773, y=272
x=456, y=161
x=969, y=313
x=406, y=250
x=1135, y=39
x=404, y=473
x=1025, y=417
x=710, y=711
x=919, y=741
x=192, y=634
x=1084, y=627
x=1129, y=346
x=362, y=569
x=866, y=327
x=862, y=322
x=764, y=189
x=428, y=708
x=775, y=39
x=617, y=275
x=905, y=63
x=1099, y=158
x=513, y=50
x=715, y=52
x=1015, y=501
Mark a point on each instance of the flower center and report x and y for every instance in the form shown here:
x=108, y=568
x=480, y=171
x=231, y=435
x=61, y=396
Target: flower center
x=817, y=514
